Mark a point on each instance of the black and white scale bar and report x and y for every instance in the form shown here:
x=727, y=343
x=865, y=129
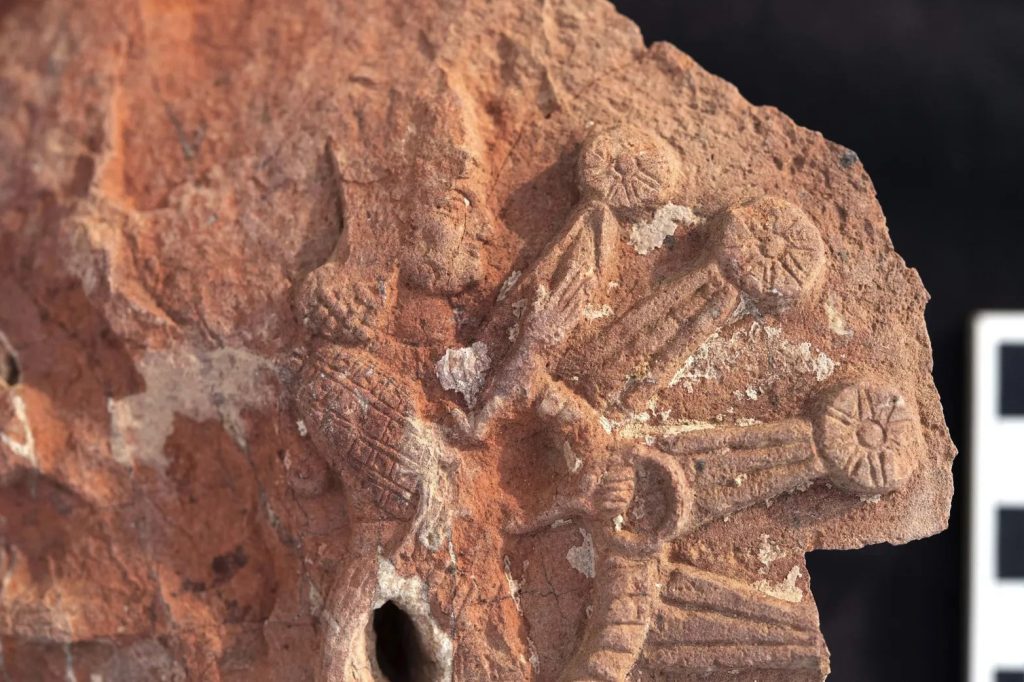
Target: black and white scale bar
x=996, y=461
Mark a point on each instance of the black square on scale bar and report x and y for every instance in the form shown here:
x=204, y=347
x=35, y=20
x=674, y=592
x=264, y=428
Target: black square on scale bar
x=1011, y=379
x=1011, y=544
x=1010, y=677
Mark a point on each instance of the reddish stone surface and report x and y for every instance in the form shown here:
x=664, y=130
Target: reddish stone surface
x=486, y=310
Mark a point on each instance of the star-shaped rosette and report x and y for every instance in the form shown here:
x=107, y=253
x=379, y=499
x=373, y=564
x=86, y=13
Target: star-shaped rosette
x=628, y=169
x=870, y=437
x=771, y=250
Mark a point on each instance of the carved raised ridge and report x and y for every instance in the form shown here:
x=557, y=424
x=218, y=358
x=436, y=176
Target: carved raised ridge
x=711, y=624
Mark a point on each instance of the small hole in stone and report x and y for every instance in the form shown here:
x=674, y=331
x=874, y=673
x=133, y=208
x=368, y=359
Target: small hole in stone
x=400, y=653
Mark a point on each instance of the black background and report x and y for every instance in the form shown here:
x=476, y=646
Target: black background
x=930, y=94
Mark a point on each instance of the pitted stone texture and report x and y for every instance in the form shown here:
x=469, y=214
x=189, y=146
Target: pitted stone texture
x=483, y=309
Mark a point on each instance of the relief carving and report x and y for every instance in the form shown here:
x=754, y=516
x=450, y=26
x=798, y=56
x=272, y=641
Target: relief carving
x=635, y=498
x=870, y=438
x=627, y=169
x=621, y=170
x=765, y=253
x=771, y=250
x=481, y=341
x=359, y=419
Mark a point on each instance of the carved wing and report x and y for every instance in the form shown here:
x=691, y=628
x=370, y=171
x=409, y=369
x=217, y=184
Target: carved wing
x=704, y=623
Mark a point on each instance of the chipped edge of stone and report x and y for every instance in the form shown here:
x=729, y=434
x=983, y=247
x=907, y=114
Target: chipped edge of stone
x=647, y=236
x=786, y=590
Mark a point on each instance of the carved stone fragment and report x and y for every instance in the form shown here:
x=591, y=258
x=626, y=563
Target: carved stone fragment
x=463, y=342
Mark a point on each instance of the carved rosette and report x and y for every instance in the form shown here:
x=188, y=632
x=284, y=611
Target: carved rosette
x=771, y=250
x=870, y=436
x=627, y=168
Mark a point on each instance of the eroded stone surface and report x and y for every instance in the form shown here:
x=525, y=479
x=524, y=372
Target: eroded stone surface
x=483, y=313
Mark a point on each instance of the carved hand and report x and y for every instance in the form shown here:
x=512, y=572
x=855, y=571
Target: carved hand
x=616, y=489
x=554, y=316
